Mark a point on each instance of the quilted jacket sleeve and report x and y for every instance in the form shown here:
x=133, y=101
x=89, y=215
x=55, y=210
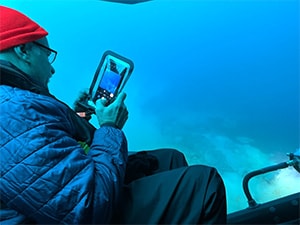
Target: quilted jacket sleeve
x=45, y=174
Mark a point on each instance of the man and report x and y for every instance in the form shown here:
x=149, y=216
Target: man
x=56, y=168
x=46, y=177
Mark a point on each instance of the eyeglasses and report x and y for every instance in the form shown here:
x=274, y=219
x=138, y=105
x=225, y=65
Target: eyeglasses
x=51, y=53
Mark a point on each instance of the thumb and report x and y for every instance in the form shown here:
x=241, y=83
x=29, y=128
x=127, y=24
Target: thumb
x=120, y=98
x=101, y=102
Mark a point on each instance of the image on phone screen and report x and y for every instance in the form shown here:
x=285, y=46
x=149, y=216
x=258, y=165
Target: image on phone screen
x=109, y=84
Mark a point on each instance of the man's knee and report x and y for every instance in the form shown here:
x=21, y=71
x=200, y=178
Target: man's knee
x=169, y=158
x=168, y=151
x=208, y=176
x=177, y=155
x=211, y=189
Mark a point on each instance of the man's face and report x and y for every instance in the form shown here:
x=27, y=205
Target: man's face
x=41, y=69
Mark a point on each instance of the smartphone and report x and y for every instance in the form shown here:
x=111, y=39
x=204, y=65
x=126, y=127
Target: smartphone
x=110, y=77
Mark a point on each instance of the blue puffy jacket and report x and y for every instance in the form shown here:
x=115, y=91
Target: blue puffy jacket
x=46, y=177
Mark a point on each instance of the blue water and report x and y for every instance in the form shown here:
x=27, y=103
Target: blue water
x=218, y=80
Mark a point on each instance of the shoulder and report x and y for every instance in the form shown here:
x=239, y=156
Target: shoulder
x=15, y=95
x=26, y=103
x=24, y=111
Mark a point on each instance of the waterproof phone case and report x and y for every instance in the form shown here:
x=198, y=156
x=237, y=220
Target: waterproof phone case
x=111, y=76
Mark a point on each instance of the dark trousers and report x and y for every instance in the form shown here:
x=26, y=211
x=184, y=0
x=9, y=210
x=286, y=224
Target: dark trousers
x=175, y=194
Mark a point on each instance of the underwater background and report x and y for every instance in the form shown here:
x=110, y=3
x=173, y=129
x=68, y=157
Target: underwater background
x=218, y=80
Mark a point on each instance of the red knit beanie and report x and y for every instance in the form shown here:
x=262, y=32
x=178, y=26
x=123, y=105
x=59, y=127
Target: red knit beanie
x=17, y=29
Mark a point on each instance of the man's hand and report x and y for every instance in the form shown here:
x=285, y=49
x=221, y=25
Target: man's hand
x=115, y=114
x=82, y=106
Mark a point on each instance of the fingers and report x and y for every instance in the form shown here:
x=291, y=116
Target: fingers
x=101, y=102
x=115, y=113
x=123, y=116
x=83, y=95
x=91, y=103
x=120, y=99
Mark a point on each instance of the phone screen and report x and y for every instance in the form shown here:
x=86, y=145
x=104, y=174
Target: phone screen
x=111, y=76
x=108, y=85
x=110, y=81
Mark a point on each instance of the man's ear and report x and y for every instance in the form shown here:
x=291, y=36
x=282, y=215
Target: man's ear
x=22, y=52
